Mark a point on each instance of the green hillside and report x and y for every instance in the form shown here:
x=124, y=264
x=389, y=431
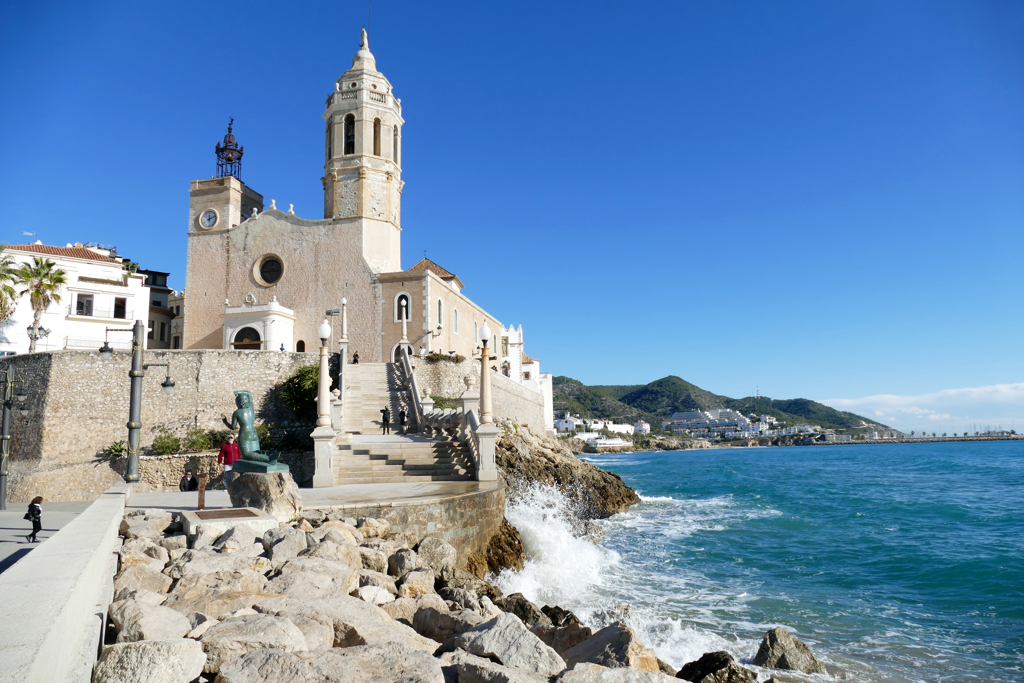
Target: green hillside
x=657, y=401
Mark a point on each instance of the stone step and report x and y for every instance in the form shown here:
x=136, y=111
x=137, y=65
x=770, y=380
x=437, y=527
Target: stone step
x=400, y=480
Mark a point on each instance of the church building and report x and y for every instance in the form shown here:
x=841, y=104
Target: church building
x=261, y=278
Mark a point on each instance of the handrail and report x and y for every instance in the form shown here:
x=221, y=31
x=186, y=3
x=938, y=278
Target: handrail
x=414, y=389
x=473, y=424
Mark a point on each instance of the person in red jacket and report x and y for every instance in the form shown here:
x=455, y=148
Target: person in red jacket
x=229, y=453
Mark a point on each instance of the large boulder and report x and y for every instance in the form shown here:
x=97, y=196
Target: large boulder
x=149, y=524
x=315, y=578
x=506, y=640
x=273, y=492
x=780, y=649
x=269, y=666
x=595, y=673
x=562, y=638
x=342, y=552
x=354, y=622
x=219, y=593
x=142, y=551
x=374, y=528
x=194, y=562
x=375, y=595
x=340, y=531
x=142, y=576
x=437, y=553
x=716, y=667
x=472, y=669
x=528, y=612
x=416, y=583
x=402, y=562
x=284, y=543
x=368, y=577
x=151, y=661
x=441, y=626
x=238, y=537
x=616, y=647
x=236, y=636
x=136, y=620
x=392, y=662
x=374, y=559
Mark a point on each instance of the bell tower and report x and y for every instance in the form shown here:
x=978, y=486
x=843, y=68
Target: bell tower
x=362, y=168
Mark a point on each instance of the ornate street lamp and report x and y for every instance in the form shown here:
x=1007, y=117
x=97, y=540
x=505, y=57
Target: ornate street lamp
x=485, y=377
x=323, y=415
x=137, y=372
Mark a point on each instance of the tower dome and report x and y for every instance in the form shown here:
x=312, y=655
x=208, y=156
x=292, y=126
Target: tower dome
x=364, y=59
x=229, y=155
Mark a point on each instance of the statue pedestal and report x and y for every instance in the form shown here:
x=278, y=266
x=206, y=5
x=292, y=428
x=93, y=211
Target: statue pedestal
x=244, y=465
x=323, y=449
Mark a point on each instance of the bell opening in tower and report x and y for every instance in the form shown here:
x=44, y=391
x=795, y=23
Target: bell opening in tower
x=229, y=155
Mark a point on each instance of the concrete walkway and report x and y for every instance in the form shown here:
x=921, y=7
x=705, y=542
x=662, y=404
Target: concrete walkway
x=13, y=527
x=333, y=496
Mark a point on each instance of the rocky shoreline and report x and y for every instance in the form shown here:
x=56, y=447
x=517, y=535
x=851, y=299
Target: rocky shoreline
x=326, y=598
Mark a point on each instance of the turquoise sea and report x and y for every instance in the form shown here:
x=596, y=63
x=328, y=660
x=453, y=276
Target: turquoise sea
x=901, y=562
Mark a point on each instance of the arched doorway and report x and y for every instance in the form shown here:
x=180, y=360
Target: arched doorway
x=300, y=346
x=248, y=339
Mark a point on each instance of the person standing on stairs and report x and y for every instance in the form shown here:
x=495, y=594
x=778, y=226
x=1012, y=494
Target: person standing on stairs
x=385, y=420
x=401, y=420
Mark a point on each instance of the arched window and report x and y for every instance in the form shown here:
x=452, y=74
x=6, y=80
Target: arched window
x=455, y=320
x=440, y=313
x=330, y=140
x=350, y=134
x=300, y=346
x=394, y=146
x=401, y=299
x=247, y=338
x=376, y=137
x=476, y=333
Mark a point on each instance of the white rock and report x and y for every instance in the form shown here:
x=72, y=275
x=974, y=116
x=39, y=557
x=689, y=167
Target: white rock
x=437, y=554
x=151, y=661
x=136, y=620
x=236, y=636
x=416, y=583
x=402, y=562
x=139, y=577
x=387, y=662
x=473, y=669
x=375, y=595
x=587, y=672
x=269, y=666
x=506, y=640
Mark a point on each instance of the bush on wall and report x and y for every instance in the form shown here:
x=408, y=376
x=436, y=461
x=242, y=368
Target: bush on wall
x=166, y=443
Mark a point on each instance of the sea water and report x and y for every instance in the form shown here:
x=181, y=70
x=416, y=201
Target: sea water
x=900, y=562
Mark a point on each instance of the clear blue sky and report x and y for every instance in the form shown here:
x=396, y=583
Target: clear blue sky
x=815, y=199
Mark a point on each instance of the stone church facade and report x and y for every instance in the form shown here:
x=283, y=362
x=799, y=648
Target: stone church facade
x=261, y=278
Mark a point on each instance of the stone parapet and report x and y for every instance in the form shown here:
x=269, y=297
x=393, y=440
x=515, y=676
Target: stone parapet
x=509, y=399
x=56, y=597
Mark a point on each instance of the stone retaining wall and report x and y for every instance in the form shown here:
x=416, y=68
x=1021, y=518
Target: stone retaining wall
x=78, y=406
x=163, y=472
x=509, y=399
x=467, y=521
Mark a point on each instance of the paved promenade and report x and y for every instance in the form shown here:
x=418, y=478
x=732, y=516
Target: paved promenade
x=13, y=527
x=334, y=496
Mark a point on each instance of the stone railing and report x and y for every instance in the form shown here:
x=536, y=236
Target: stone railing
x=463, y=424
x=414, y=389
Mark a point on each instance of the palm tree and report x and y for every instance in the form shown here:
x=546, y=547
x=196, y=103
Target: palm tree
x=8, y=277
x=42, y=280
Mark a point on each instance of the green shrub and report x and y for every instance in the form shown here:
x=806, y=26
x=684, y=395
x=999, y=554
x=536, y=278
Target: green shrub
x=166, y=443
x=293, y=439
x=118, y=449
x=219, y=437
x=442, y=403
x=195, y=440
x=299, y=392
x=436, y=357
x=263, y=434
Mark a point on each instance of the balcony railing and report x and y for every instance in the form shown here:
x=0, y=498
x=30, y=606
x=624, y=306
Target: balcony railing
x=95, y=312
x=95, y=344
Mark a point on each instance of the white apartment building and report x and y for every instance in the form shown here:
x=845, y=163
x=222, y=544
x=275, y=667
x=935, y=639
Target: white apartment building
x=99, y=293
x=641, y=427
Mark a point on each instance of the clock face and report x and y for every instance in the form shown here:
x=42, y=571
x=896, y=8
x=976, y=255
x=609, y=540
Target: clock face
x=208, y=219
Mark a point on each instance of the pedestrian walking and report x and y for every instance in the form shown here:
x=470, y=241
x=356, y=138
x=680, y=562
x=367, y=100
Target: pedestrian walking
x=35, y=515
x=188, y=482
x=229, y=453
x=386, y=420
x=402, y=417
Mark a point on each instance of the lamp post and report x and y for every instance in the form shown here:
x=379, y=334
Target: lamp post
x=137, y=372
x=323, y=415
x=485, y=377
x=5, y=430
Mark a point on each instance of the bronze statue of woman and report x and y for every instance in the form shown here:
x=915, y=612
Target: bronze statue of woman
x=244, y=419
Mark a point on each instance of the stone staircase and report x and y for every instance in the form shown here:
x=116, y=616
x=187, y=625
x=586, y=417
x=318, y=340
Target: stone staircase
x=371, y=386
x=373, y=458
x=398, y=459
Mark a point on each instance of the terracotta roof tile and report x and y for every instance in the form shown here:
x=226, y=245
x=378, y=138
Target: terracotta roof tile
x=427, y=264
x=70, y=252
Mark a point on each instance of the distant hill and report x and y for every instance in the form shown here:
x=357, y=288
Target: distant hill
x=657, y=401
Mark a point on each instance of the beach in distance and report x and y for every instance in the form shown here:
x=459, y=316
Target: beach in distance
x=898, y=562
